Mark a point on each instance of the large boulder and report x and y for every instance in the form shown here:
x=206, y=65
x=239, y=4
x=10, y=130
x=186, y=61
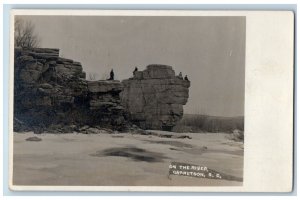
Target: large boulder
x=155, y=97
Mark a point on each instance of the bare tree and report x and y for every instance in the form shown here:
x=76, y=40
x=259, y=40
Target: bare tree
x=25, y=35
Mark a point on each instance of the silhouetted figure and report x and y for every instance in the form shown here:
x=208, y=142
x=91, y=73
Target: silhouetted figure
x=180, y=75
x=112, y=75
x=135, y=70
x=186, y=78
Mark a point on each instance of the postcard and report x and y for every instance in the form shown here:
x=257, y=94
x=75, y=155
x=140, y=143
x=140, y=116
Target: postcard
x=151, y=100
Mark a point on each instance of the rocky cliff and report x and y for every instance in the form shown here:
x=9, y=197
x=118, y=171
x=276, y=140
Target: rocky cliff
x=51, y=92
x=155, y=97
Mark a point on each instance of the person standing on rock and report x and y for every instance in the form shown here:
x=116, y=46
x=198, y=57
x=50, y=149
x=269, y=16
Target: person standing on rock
x=180, y=76
x=135, y=70
x=112, y=75
x=186, y=78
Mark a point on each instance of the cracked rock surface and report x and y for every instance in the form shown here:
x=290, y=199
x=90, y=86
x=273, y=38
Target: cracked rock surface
x=155, y=97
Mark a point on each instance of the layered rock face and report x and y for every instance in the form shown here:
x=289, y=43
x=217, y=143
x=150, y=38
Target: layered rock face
x=105, y=109
x=155, y=97
x=51, y=92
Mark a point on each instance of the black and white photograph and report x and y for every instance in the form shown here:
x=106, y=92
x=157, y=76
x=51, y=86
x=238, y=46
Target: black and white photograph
x=128, y=100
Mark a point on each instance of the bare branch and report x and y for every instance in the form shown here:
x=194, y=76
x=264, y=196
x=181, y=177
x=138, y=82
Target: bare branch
x=25, y=34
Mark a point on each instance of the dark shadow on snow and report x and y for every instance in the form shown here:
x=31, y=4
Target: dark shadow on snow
x=136, y=154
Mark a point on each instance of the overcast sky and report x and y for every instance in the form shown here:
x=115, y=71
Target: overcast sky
x=210, y=50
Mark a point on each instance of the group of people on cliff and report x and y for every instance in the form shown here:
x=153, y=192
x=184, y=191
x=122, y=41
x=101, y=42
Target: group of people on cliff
x=179, y=76
x=112, y=75
x=185, y=77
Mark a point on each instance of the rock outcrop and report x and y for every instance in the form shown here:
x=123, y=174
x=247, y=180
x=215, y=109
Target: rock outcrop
x=51, y=92
x=155, y=97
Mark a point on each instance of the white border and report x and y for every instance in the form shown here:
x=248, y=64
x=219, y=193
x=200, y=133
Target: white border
x=268, y=71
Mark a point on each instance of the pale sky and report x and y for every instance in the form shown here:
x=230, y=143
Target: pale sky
x=210, y=50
